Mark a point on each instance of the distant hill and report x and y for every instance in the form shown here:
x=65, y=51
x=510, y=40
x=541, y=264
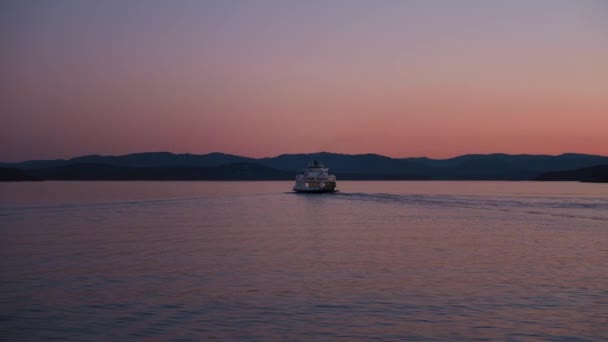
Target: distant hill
x=163, y=159
x=596, y=174
x=165, y=165
x=466, y=167
x=500, y=166
x=89, y=171
x=339, y=163
x=237, y=171
x=147, y=159
x=11, y=174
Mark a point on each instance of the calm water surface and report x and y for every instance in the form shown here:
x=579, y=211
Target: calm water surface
x=252, y=261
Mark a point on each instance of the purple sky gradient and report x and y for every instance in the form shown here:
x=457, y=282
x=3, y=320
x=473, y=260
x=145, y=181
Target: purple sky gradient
x=261, y=78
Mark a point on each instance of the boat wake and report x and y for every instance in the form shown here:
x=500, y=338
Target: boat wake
x=568, y=207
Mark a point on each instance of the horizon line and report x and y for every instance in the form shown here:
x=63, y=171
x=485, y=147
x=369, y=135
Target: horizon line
x=302, y=153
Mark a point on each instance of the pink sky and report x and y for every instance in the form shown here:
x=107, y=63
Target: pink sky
x=399, y=78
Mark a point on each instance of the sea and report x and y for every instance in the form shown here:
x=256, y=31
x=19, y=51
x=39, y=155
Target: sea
x=253, y=261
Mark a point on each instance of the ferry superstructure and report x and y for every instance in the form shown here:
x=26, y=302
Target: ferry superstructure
x=315, y=178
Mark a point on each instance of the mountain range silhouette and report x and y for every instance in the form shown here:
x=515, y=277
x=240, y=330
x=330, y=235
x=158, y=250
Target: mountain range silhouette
x=221, y=166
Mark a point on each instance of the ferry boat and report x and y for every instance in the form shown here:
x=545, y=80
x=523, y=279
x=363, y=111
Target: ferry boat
x=315, y=178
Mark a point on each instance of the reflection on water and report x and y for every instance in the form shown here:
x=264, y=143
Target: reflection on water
x=235, y=260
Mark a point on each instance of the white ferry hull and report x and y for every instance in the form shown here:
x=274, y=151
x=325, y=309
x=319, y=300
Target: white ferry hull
x=316, y=191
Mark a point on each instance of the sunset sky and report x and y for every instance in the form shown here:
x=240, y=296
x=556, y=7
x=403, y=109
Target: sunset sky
x=262, y=78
